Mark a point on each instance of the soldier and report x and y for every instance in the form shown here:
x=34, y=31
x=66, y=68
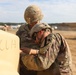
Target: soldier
x=32, y=15
x=54, y=52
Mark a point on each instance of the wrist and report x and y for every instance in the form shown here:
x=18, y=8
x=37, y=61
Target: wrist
x=37, y=51
x=32, y=51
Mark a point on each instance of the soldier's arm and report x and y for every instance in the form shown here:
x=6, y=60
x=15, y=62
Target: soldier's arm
x=43, y=60
x=29, y=50
x=49, y=51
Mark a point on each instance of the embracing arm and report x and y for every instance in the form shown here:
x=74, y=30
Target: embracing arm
x=46, y=56
x=29, y=50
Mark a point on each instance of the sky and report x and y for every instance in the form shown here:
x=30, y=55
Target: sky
x=54, y=11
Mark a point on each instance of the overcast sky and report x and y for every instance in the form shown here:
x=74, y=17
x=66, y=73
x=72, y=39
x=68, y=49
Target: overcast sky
x=55, y=11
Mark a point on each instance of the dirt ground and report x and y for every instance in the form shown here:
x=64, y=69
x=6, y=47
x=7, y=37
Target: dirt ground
x=70, y=37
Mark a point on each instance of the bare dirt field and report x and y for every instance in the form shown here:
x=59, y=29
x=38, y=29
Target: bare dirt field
x=70, y=37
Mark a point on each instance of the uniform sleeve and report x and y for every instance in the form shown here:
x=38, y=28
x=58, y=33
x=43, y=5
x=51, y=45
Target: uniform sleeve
x=67, y=58
x=45, y=58
x=57, y=51
x=49, y=51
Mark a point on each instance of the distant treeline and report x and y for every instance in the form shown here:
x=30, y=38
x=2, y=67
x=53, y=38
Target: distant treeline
x=52, y=24
x=63, y=24
x=1, y=23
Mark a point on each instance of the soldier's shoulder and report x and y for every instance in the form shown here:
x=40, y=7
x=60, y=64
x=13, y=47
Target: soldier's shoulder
x=23, y=27
x=54, y=37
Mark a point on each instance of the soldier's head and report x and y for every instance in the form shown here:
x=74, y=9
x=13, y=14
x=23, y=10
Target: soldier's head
x=33, y=14
x=40, y=31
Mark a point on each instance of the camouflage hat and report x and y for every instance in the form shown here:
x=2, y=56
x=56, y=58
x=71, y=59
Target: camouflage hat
x=39, y=27
x=32, y=14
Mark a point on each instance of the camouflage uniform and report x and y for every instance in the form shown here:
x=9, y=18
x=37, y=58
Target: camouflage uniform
x=54, y=53
x=32, y=14
x=55, y=56
x=58, y=56
x=25, y=41
x=33, y=62
x=24, y=34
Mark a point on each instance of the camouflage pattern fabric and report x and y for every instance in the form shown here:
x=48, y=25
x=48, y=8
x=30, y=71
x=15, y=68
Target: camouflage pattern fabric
x=58, y=48
x=58, y=54
x=33, y=14
x=38, y=27
x=54, y=50
x=25, y=40
x=54, y=57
